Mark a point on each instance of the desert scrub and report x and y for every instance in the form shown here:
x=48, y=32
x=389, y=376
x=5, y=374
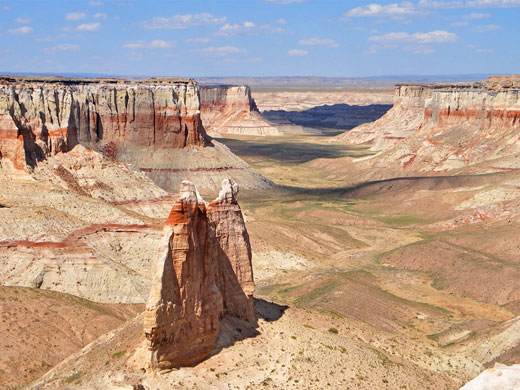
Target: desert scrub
x=333, y=330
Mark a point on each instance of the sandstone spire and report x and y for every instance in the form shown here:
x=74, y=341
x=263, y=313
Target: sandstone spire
x=202, y=273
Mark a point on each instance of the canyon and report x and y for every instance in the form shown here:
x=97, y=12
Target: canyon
x=386, y=255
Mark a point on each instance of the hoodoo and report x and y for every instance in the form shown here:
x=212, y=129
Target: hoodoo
x=202, y=273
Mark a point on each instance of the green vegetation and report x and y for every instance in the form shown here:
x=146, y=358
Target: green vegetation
x=117, y=355
x=333, y=331
x=73, y=378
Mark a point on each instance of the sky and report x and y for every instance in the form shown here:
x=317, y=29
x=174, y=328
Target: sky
x=192, y=38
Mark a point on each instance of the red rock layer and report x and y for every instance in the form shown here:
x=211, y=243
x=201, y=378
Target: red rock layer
x=202, y=274
x=232, y=110
x=53, y=117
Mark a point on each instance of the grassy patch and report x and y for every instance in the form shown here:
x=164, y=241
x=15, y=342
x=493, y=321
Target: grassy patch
x=117, y=355
x=73, y=378
x=318, y=292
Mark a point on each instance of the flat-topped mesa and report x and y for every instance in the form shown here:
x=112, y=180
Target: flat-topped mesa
x=232, y=110
x=487, y=106
x=40, y=117
x=202, y=273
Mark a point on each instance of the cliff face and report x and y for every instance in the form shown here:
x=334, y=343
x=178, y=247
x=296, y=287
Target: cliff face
x=232, y=110
x=448, y=126
x=402, y=120
x=39, y=118
x=203, y=273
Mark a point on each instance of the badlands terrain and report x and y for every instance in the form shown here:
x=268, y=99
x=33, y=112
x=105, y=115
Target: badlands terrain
x=384, y=257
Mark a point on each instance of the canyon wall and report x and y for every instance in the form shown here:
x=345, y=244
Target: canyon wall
x=402, y=120
x=448, y=126
x=54, y=115
x=232, y=110
x=203, y=272
x=152, y=124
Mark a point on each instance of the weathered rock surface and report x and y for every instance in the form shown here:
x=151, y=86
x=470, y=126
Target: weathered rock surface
x=202, y=273
x=443, y=127
x=152, y=124
x=500, y=377
x=232, y=110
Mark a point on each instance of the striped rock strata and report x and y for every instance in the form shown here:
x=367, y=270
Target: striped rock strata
x=232, y=110
x=202, y=273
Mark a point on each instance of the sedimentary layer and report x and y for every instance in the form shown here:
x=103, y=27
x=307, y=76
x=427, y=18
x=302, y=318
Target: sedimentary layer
x=442, y=127
x=151, y=124
x=203, y=272
x=232, y=110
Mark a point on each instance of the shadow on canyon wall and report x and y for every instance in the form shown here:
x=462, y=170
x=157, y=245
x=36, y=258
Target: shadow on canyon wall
x=333, y=119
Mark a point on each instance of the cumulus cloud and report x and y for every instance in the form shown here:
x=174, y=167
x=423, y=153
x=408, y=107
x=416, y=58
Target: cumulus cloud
x=221, y=51
x=197, y=40
x=181, y=22
x=154, y=44
x=61, y=48
x=438, y=36
x=76, y=16
x=298, y=52
x=469, y=4
x=23, y=20
x=394, y=10
x=89, y=26
x=100, y=15
x=475, y=15
x=486, y=28
x=316, y=41
x=21, y=30
x=233, y=29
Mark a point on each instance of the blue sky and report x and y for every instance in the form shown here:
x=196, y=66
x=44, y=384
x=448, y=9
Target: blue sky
x=260, y=37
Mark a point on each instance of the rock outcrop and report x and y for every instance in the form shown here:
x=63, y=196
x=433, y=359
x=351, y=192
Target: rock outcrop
x=54, y=115
x=232, y=110
x=202, y=273
x=151, y=124
x=500, y=377
x=448, y=126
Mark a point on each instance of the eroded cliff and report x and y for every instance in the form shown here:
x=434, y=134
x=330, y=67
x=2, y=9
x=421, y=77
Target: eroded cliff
x=203, y=272
x=232, y=110
x=151, y=124
x=448, y=126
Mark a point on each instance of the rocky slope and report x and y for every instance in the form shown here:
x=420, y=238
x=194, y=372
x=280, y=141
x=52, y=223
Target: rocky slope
x=152, y=124
x=443, y=127
x=202, y=273
x=232, y=110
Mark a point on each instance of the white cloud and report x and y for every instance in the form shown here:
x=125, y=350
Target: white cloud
x=437, y=36
x=316, y=41
x=21, y=30
x=475, y=15
x=469, y=4
x=134, y=45
x=460, y=24
x=61, y=48
x=298, y=52
x=23, y=20
x=95, y=3
x=493, y=3
x=76, y=16
x=89, y=26
x=280, y=21
x=423, y=51
x=222, y=51
x=486, y=27
x=155, y=44
x=181, y=22
x=197, y=40
x=100, y=15
x=160, y=44
x=393, y=10
x=233, y=29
